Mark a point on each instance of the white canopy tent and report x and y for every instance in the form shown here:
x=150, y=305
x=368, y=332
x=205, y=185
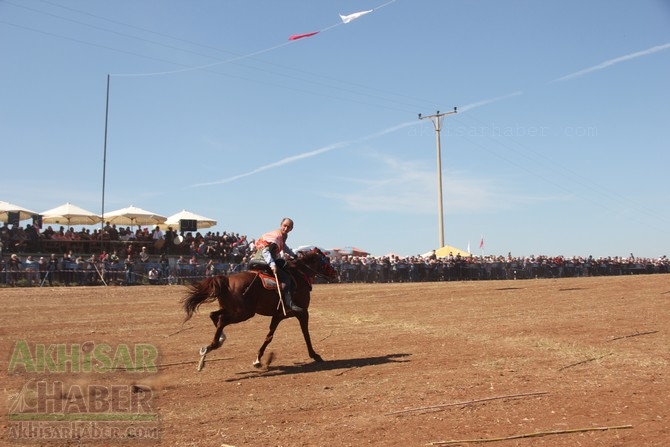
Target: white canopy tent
x=134, y=216
x=7, y=208
x=201, y=221
x=70, y=214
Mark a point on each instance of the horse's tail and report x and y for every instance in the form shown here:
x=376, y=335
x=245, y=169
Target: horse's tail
x=205, y=291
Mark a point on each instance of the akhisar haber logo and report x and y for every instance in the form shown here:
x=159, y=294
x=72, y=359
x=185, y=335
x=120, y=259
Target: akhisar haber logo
x=82, y=358
x=42, y=400
x=46, y=408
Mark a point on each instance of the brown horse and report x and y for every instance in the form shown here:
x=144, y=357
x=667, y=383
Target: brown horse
x=243, y=295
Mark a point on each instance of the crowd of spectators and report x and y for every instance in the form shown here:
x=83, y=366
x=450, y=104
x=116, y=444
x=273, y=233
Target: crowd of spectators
x=112, y=255
x=459, y=268
x=17, y=239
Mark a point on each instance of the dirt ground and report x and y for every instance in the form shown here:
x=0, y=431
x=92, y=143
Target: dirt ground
x=566, y=362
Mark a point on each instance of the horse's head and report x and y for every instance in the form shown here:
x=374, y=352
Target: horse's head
x=319, y=263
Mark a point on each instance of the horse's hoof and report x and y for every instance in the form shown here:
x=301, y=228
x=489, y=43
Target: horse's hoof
x=317, y=358
x=257, y=363
x=203, y=350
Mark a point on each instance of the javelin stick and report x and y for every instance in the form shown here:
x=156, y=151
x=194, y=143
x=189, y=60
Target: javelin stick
x=102, y=278
x=281, y=298
x=45, y=278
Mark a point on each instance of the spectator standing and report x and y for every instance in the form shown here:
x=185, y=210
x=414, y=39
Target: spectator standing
x=144, y=255
x=164, y=262
x=80, y=269
x=52, y=268
x=113, y=265
x=93, y=267
x=128, y=251
x=14, y=267
x=43, y=265
x=158, y=238
x=113, y=232
x=181, y=262
x=157, y=233
x=32, y=270
x=210, y=268
x=33, y=238
x=129, y=265
x=195, y=265
x=5, y=237
x=168, y=247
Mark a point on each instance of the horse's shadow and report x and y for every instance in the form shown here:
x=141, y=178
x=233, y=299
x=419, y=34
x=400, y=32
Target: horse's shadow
x=326, y=365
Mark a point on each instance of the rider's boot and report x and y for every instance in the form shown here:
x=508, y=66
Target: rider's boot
x=288, y=301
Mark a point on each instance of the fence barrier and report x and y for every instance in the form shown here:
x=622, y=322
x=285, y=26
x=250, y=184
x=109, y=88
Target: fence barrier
x=104, y=273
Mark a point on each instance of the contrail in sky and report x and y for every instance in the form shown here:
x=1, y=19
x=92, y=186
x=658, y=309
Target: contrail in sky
x=304, y=155
x=614, y=61
x=572, y=76
x=465, y=108
x=474, y=105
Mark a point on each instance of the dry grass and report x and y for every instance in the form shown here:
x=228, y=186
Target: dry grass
x=387, y=347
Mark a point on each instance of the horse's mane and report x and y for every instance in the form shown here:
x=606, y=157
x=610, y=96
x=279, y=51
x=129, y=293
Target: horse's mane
x=311, y=263
x=304, y=259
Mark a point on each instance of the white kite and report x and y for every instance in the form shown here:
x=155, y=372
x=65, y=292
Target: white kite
x=348, y=18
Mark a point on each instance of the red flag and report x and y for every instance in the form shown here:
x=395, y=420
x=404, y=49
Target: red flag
x=481, y=242
x=300, y=36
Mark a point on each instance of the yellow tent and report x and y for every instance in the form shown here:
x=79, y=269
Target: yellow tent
x=448, y=249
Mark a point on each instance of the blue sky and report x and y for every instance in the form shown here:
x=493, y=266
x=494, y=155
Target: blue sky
x=560, y=146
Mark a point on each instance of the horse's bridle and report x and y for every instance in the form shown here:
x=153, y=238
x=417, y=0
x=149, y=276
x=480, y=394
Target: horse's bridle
x=322, y=258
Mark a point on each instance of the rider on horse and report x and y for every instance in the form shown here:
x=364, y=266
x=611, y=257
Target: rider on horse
x=270, y=248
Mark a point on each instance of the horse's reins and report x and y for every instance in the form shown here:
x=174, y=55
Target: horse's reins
x=251, y=283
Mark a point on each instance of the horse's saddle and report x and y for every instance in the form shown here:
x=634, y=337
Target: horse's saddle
x=258, y=265
x=264, y=272
x=268, y=281
x=266, y=275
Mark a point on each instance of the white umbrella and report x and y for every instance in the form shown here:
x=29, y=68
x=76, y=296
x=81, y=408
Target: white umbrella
x=133, y=216
x=71, y=215
x=6, y=208
x=201, y=221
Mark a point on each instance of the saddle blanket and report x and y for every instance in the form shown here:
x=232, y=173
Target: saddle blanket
x=268, y=281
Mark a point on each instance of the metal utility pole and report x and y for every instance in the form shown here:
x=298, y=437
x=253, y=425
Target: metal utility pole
x=104, y=166
x=437, y=121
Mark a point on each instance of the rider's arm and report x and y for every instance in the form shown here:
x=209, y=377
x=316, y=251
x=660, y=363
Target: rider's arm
x=267, y=257
x=288, y=251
